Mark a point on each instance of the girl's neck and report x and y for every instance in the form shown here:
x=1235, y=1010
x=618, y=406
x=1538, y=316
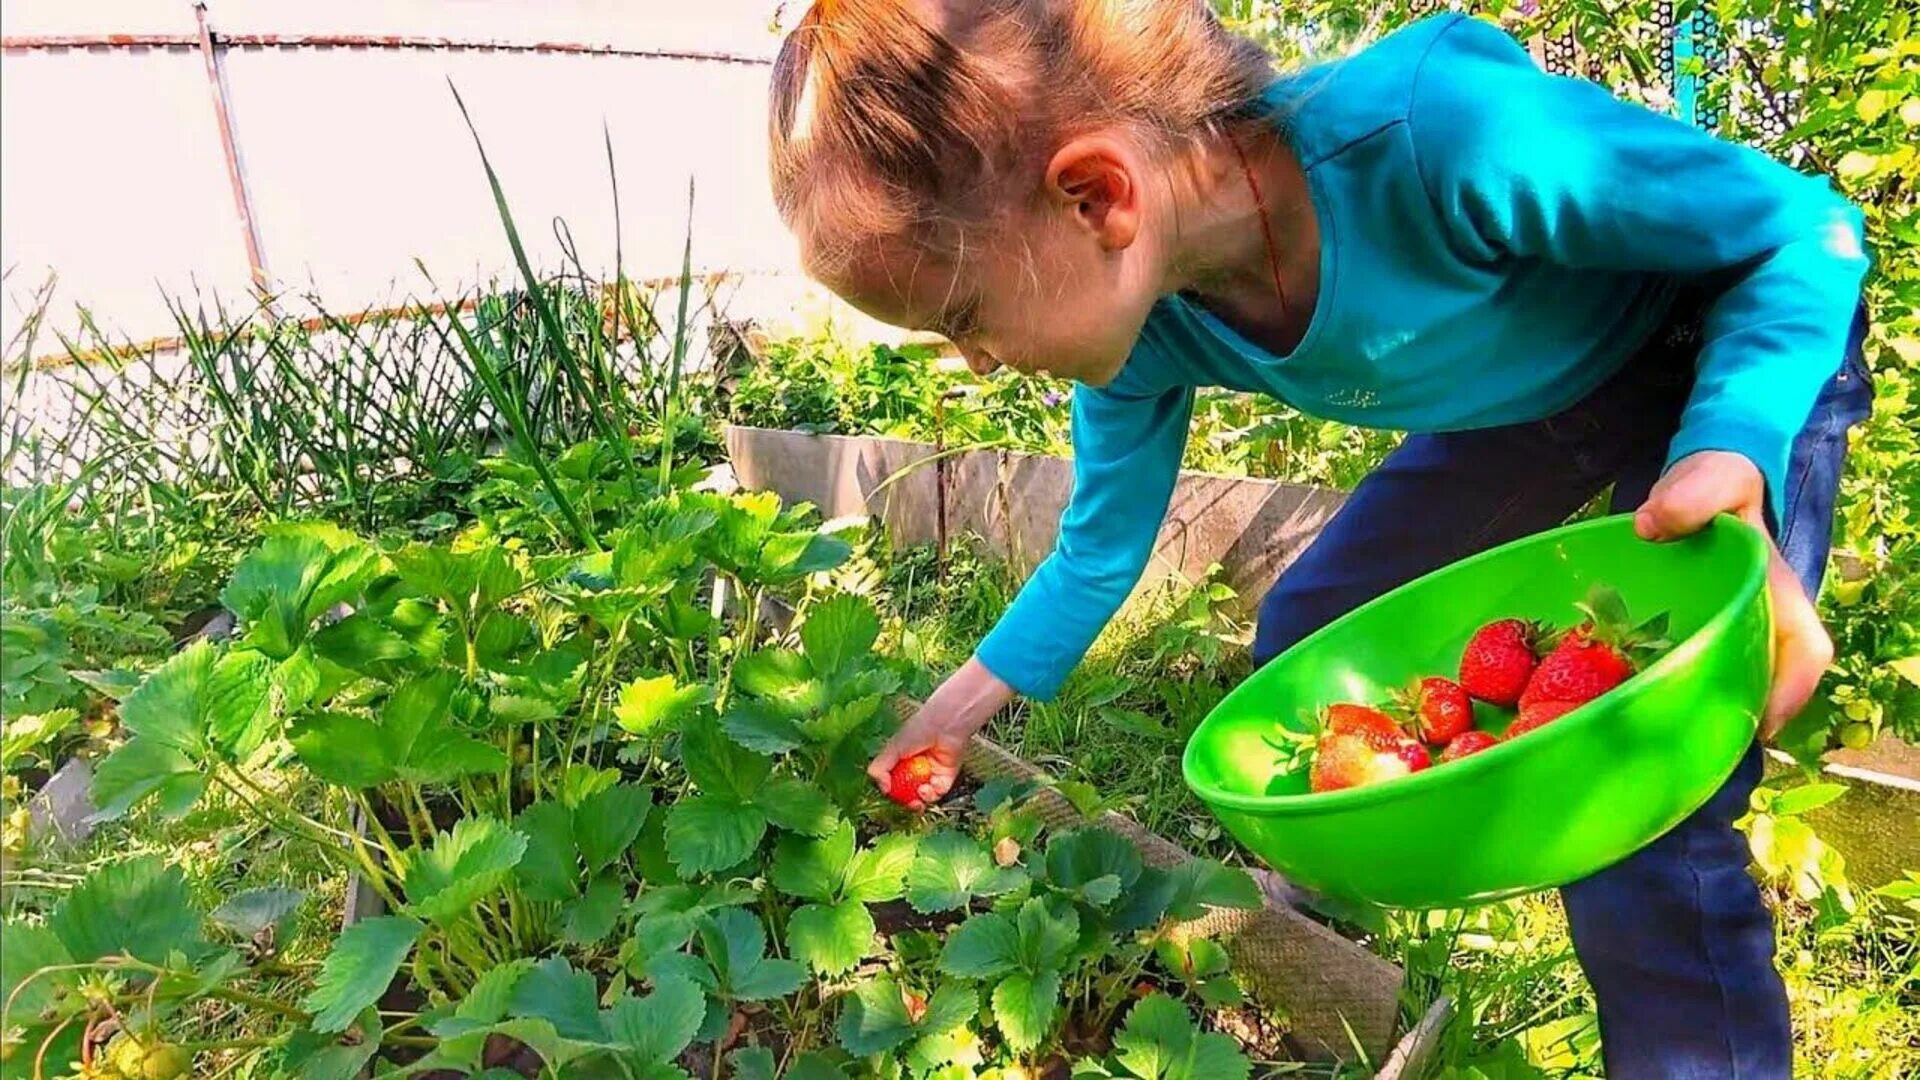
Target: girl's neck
x=1221, y=257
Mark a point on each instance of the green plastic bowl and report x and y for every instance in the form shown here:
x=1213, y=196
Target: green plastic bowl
x=1550, y=808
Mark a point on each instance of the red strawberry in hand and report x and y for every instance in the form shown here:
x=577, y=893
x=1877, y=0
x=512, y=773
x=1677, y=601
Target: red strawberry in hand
x=1597, y=655
x=1355, y=760
x=909, y=773
x=1499, y=660
x=1440, y=709
x=1538, y=714
x=1467, y=742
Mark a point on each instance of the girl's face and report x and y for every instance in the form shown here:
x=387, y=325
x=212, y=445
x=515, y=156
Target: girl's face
x=1061, y=288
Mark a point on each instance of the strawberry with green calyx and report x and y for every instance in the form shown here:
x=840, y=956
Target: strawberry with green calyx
x=1499, y=659
x=1539, y=714
x=1466, y=743
x=1437, y=709
x=1346, y=761
x=1597, y=655
x=908, y=776
x=1340, y=718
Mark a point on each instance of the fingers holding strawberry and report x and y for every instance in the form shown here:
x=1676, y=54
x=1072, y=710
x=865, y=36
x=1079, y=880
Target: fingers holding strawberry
x=918, y=766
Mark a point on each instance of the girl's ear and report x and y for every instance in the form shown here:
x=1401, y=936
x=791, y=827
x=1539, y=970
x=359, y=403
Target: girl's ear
x=1093, y=178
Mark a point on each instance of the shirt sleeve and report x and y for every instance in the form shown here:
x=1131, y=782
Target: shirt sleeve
x=1126, y=457
x=1521, y=164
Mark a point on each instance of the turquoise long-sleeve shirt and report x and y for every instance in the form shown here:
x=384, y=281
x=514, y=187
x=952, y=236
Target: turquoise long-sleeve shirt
x=1495, y=242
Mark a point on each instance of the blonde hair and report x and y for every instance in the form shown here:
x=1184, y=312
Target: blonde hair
x=921, y=118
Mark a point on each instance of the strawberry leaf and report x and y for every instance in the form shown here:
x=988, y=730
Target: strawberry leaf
x=32, y=948
x=341, y=1055
x=553, y=991
x=761, y=726
x=652, y=1031
x=1048, y=929
x=290, y=580
x=139, y=908
x=811, y=869
x=752, y=1063
x=142, y=767
x=591, y=917
x=1202, y=883
x=706, y=833
x=736, y=945
x=202, y=699
x=797, y=806
x=831, y=938
x=253, y=911
x=779, y=674
x=606, y=823
x=1159, y=1041
x=838, y=634
x=463, y=866
x=548, y=869
x=987, y=945
x=653, y=706
x=364, y=960
x=492, y=995
x=879, y=872
x=874, y=1019
x=1078, y=858
x=717, y=765
x=1024, y=1007
x=950, y=869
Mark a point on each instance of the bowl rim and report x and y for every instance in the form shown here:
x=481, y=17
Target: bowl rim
x=1750, y=586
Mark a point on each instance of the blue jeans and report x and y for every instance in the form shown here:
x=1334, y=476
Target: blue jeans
x=1675, y=938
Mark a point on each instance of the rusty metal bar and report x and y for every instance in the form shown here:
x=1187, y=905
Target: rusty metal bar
x=54, y=42
x=256, y=262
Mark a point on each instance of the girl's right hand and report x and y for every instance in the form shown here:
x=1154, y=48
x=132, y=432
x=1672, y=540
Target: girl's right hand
x=960, y=706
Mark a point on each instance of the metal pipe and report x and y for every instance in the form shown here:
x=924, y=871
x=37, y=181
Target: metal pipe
x=256, y=262
x=53, y=42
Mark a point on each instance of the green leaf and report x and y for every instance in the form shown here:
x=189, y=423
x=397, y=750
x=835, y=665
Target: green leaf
x=202, y=699
x=362, y=643
x=464, y=865
x=289, y=581
x=839, y=633
x=797, y=806
x=548, y=868
x=950, y=869
x=1159, y=1041
x=553, y=991
x=492, y=995
x=606, y=823
x=752, y=1063
x=590, y=918
x=1082, y=856
x=143, y=767
x=874, y=1018
x=813, y=1065
x=1907, y=667
x=344, y=749
x=1202, y=883
x=654, y=1029
x=1806, y=797
x=717, y=765
x=255, y=910
x=706, y=833
x=761, y=726
x=1048, y=928
x=985, y=946
x=653, y=706
x=879, y=872
x=364, y=960
x=831, y=938
x=31, y=948
x=736, y=943
x=139, y=908
x=812, y=869
x=777, y=674
x=341, y=1055
x=1024, y=1007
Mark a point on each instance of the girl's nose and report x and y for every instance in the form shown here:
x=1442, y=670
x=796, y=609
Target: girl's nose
x=979, y=361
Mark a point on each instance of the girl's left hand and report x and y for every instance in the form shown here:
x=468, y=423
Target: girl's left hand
x=1683, y=502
